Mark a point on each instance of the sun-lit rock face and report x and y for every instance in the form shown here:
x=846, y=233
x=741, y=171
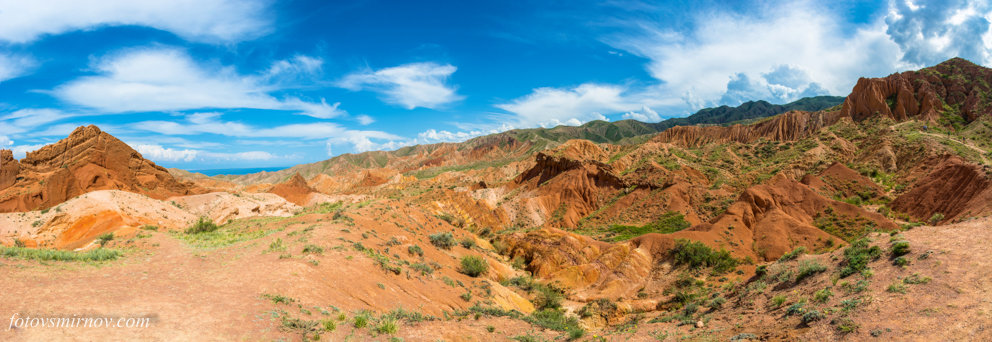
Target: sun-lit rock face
x=87, y=160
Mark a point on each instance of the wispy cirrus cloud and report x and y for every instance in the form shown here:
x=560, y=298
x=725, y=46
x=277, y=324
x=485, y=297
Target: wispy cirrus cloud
x=13, y=66
x=197, y=20
x=168, y=79
x=409, y=85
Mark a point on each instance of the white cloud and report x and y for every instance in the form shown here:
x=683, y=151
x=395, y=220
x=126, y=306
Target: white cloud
x=5, y=141
x=645, y=115
x=698, y=66
x=782, y=51
x=409, y=85
x=165, y=79
x=365, y=120
x=20, y=151
x=198, y=20
x=937, y=30
x=210, y=123
x=12, y=66
x=158, y=153
x=573, y=106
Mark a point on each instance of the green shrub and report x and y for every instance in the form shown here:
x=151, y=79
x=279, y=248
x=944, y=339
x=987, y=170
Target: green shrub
x=900, y=261
x=896, y=288
x=812, y=316
x=313, y=249
x=329, y=325
x=809, y=268
x=899, y=248
x=387, y=326
x=415, y=250
x=795, y=309
x=695, y=255
x=423, y=268
x=547, y=296
x=361, y=321
x=716, y=303
x=104, y=238
x=468, y=243
x=795, y=253
x=553, y=319
x=778, y=300
x=203, y=225
x=670, y=222
x=936, y=218
x=473, y=266
x=823, y=295
x=442, y=240
x=916, y=278
x=98, y=254
x=845, y=325
x=857, y=256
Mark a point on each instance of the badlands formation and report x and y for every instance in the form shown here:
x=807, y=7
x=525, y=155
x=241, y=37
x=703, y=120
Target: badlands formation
x=866, y=217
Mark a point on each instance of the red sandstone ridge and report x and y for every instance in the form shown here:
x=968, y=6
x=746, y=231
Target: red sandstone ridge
x=294, y=190
x=921, y=94
x=789, y=126
x=87, y=160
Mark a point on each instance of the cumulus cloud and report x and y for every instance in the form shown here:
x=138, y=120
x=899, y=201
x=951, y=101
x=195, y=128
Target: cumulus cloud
x=159, y=153
x=787, y=50
x=548, y=107
x=197, y=20
x=12, y=66
x=211, y=123
x=168, y=79
x=645, y=115
x=932, y=31
x=365, y=120
x=409, y=85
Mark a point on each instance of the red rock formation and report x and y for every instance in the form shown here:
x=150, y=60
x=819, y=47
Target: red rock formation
x=294, y=190
x=9, y=167
x=954, y=188
x=921, y=94
x=789, y=126
x=87, y=160
x=839, y=179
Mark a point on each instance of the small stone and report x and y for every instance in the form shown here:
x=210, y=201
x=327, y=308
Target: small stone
x=699, y=324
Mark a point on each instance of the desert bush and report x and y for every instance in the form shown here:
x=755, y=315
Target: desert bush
x=415, y=250
x=473, y=266
x=442, y=240
x=553, y=319
x=104, y=238
x=778, y=300
x=900, y=261
x=812, y=316
x=936, y=218
x=823, y=295
x=313, y=249
x=809, y=268
x=329, y=325
x=899, y=248
x=547, y=296
x=716, y=303
x=857, y=256
x=795, y=253
x=361, y=321
x=387, y=326
x=695, y=254
x=468, y=242
x=202, y=225
x=98, y=254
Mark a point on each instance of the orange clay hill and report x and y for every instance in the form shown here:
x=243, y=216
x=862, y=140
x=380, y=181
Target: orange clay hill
x=854, y=218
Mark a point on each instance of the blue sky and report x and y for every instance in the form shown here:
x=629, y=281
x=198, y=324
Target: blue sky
x=201, y=84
